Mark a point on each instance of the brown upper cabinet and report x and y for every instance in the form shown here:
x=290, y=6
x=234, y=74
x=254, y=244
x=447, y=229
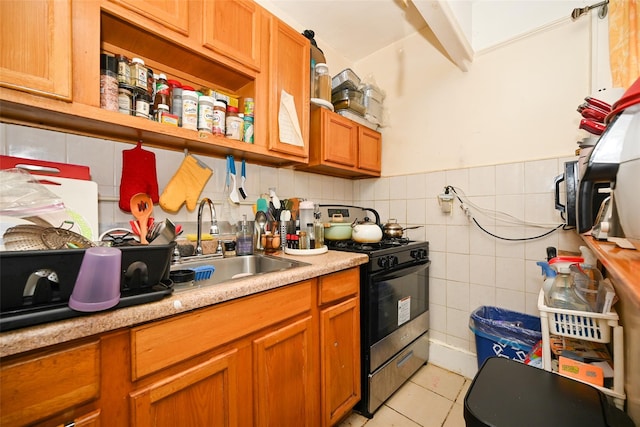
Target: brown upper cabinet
x=342, y=147
x=288, y=75
x=35, y=47
x=172, y=14
x=232, y=46
x=232, y=28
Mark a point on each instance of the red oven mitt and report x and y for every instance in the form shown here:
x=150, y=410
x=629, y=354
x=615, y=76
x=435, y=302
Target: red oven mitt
x=138, y=176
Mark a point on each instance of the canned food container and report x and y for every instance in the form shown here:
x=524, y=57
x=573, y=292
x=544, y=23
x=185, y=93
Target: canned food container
x=348, y=99
x=345, y=79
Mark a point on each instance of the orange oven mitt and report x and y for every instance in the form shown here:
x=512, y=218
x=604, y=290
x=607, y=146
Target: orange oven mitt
x=186, y=185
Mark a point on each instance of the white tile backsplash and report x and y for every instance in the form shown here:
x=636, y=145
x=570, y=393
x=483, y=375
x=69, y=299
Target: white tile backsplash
x=482, y=181
x=457, y=267
x=469, y=268
x=458, y=239
x=538, y=176
x=381, y=189
x=458, y=295
x=416, y=186
x=510, y=178
x=398, y=188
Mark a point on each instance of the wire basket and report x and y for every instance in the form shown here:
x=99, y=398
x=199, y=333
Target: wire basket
x=577, y=324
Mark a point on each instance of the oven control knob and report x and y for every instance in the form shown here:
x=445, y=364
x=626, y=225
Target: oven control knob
x=419, y=254
x=393, y=260
x=383, y=262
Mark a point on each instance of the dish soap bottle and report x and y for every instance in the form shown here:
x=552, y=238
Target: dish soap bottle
x=244, y=239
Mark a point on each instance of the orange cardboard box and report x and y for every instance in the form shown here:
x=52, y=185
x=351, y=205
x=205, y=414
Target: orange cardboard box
x=581, y=371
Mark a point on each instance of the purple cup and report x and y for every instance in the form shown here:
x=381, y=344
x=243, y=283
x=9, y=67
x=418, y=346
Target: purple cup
x=97, y=286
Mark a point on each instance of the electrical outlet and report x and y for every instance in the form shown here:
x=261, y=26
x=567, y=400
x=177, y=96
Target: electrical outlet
x=445, y=201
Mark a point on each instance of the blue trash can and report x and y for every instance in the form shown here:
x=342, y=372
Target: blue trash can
x=503, y=333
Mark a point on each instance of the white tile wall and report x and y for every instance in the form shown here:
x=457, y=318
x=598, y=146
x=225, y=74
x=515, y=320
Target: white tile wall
x=469, y=267
x=104, y=159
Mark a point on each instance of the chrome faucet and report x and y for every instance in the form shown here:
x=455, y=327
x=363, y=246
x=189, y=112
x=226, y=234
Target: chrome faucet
x=214, y=230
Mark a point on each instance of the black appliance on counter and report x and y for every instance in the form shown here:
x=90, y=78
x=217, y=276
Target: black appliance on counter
x=394, y=309
x=36, y=284
x=571, y=180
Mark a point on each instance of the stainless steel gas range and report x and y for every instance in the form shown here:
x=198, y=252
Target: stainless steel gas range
x=394, y=292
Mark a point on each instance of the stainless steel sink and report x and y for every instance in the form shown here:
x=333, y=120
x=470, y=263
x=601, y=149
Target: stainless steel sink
x=233, y=268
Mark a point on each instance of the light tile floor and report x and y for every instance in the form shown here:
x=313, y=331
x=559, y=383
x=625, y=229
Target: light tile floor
x=433, y=397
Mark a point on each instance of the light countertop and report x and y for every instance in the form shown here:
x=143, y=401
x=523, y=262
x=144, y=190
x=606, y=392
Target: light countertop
x=39, y=336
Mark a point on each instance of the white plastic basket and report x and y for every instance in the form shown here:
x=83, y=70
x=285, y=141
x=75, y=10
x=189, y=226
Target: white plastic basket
x=577, y=324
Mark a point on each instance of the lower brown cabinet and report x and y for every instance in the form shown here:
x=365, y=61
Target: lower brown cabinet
x=284, y=357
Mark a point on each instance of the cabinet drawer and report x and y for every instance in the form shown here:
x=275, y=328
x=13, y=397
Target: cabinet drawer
x=338, y=285
x=40, y=387
x=162, y=344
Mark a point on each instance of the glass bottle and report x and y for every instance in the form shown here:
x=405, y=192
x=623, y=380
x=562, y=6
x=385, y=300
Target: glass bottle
x=303, y=243
x=318, y=228
x=311, y=235
x=244, y=239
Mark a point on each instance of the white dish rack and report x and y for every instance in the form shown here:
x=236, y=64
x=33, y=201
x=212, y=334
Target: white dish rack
x=586, y=326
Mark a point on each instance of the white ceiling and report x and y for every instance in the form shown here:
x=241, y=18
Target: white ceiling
x=358, y=28
x=355, y=28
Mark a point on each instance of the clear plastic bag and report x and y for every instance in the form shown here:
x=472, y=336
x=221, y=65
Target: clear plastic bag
x=21, y=195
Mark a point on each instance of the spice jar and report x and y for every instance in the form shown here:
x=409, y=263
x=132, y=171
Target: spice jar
x=249, y=106
x=189, y=108
x=160, y=111
x=125, y=99
x=205, y=113
x=124, y=72
x=108, y=82
x=143, y=104
x=218, y=122
x=176, y=97
x=322, y=82
x=138, y=74
x=162, y=92
x=234, y=123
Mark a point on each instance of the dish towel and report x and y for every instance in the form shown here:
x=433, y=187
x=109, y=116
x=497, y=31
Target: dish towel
x=185, y=185
x=138, y=176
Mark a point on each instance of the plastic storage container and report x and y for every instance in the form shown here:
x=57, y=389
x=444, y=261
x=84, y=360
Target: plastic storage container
x=372, y=101
x=348, y=99
x=504, y=333
x=345, y=79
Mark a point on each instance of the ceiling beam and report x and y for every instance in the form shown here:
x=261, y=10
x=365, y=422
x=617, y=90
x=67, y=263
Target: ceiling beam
x=444, y=24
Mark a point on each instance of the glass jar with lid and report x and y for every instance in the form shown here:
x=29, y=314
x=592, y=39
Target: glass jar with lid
x=322, y=82
x=138, y=74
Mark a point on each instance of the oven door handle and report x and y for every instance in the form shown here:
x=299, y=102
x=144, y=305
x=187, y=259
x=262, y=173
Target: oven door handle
x=382, y=275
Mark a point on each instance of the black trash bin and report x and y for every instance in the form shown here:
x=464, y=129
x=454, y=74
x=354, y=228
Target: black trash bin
x=504, y=333
x=505, y=393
